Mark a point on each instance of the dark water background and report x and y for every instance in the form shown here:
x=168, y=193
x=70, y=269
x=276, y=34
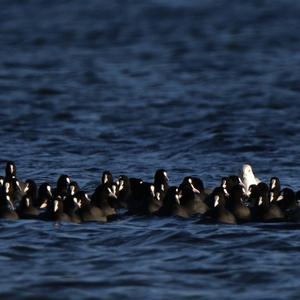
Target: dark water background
x=196, y=87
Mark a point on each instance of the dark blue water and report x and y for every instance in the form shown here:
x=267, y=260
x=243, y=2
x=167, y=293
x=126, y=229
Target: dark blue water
x=196, y=87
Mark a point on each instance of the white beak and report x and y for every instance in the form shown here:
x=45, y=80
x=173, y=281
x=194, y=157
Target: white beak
x=18, y=185
x=78, y=203
x=87, y=197
x=111, y=193
x=279, y=198
x=10, y=203
x=224, y=184
x=217, y=200
x=273, y=184
x=26, y=189
x=55, y=205
x=44, y=204
x=7, y=186
x=72, y=188
x=49, y=190
x=177, y=199
x=105, y=178
x=121, y=186
x=158, y=196
x=152, y=188
x=194, y=189
x=166, y=175
x=225, y=191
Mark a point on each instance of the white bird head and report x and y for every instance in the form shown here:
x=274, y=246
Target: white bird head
x=247, y=170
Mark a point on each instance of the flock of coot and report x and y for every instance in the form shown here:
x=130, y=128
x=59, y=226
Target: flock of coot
x=238, y=199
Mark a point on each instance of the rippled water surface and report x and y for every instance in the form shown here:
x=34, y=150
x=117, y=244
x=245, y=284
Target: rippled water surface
x=196, y=87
